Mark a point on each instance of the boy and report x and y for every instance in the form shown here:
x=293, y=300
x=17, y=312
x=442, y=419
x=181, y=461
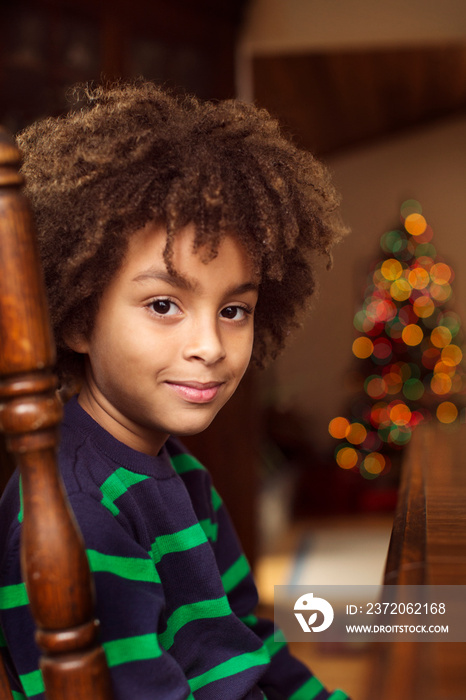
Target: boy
x=175, y=238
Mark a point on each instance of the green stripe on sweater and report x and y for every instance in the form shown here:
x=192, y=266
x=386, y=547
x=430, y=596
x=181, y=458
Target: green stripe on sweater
x=138, y=648
x=210, y=529
x=275, y=642
x=216, y=498
x=229, y=668
x=181, y=541
x=13, y=596
x=32, y=683
x=21, y=504
x=183, y=463
x=235, y=574
x=116, y=485
x=310, y=689
x=131, y=568
x=202, y=610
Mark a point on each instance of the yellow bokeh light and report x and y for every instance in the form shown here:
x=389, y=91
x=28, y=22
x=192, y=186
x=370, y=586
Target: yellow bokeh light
x=452, y=355
x=356, y=433
x=440, y=292
x=347, y=457
x=400, y=414
x=391, y=269
x=412, y=334
x=400, y=289
x=443, y=368
x=440, y=337
x=374, y=463
x=423, y=307
x=440, y=383
x=447, y=412
x=440, y=273
x=363, y=347
x=418, y=278
x=338, y=427
x=415, y=224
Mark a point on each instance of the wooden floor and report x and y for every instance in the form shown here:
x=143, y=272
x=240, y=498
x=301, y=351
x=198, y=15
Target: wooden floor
x=337, y=666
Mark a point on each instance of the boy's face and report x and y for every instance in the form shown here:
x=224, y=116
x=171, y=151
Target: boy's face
x=166, y=353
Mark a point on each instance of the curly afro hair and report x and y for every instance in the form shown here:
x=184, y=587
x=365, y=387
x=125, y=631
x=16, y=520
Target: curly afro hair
x=129, y=153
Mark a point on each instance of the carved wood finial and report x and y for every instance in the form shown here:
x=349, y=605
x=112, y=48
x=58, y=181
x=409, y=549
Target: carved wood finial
x=9, y=160
x=53, y=558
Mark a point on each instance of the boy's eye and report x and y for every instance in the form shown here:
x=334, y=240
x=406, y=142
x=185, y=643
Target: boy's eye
x=164, y=307
x=234, y=313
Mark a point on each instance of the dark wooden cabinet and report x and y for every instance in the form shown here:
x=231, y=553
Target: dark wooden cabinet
x=49, y=45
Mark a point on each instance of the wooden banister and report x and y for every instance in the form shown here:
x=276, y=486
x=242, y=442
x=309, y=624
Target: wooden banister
x=53, y=559
x=428, y=547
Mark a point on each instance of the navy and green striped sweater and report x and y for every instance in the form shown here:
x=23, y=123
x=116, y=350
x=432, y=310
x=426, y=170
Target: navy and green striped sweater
x=175, y=596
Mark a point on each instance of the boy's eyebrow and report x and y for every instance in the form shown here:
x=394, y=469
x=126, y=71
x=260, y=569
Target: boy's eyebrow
x=183, y=283
x=173, y=280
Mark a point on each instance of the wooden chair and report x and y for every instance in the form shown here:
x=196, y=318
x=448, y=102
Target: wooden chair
x=53, y=559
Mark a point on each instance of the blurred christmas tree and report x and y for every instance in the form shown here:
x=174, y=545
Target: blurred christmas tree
x=409, y=350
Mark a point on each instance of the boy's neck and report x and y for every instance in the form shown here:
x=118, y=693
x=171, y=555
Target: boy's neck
x=145, y=441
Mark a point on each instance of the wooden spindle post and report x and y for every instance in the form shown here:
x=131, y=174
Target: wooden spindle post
x=53, y=559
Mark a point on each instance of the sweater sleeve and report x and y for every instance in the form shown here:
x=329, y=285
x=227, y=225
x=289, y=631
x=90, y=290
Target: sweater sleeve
x=129, y=600
x=286, y=678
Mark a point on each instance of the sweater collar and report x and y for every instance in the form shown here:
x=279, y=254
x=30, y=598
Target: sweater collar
x=77, y=419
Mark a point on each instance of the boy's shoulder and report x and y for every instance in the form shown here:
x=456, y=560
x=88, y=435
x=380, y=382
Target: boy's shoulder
x=79, y=429
x=90, y=457
x=103, y=476
x=88, y=447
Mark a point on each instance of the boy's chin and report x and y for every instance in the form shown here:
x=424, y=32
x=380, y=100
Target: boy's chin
x=194, y=429
x=188, y=432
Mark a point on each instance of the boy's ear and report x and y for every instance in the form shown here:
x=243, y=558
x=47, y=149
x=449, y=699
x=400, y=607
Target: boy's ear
x=77, y=342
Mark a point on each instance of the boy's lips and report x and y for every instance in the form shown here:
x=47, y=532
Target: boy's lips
x=196, y=392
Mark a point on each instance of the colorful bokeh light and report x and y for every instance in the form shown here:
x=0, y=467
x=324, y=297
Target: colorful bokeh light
x=363, y=347
x=440, y=337
x=338, y=427
x=415, y=224
x=423, y=306
x=447, y=412
x=410, y=345
x=347, y=457
x=391, y=269
x=412, y=334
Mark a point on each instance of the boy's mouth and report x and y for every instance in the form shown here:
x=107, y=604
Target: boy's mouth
x=196, y=392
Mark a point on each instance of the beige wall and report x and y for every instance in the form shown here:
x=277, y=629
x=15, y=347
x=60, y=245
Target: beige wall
x=427, y=165
x=294, y=25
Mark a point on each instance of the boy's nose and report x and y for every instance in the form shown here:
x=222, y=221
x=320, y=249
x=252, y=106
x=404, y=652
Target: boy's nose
x=205, y=344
